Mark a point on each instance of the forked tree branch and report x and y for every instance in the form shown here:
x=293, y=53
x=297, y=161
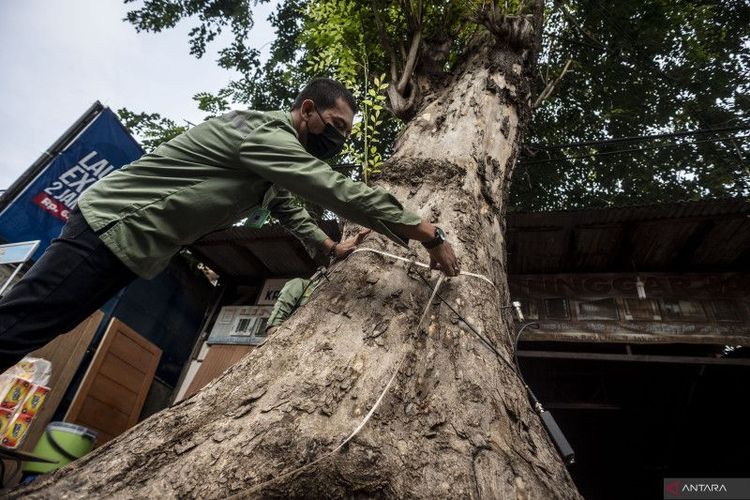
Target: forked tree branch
x=411, y=62
x=551, y=85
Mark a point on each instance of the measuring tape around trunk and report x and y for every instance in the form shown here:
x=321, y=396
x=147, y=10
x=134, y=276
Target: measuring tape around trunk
x=388, y=385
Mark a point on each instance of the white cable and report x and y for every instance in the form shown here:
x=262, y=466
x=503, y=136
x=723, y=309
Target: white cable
x=375, y=406
x=421, y=264
x=370, y=413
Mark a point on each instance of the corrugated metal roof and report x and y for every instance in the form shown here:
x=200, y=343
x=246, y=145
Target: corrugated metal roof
x=702, y=236
x=251, y=255
x=678, y=210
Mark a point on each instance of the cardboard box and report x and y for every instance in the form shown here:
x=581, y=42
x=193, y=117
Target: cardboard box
x=15, y=393
x=16, y=430
x=6, y=416
x=34, y=400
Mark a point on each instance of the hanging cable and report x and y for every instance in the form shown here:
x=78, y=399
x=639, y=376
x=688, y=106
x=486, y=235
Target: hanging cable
x=550, y=424
x=631, y=150
x=634, y=138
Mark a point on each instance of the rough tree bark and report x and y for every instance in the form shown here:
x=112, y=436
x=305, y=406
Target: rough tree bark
x=456, y=421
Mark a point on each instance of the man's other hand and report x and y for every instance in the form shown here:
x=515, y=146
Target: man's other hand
x=443, y=259
x=347, y=246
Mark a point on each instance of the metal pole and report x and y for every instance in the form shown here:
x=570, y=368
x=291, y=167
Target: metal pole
x=50, y=154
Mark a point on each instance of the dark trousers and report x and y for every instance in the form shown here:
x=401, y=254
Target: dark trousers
x=75, y=276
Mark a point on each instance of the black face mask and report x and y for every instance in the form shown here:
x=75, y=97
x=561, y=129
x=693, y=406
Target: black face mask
x=327, y=144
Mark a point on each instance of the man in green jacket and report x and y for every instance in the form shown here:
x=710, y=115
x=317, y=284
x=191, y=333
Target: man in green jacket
x=297, y=291
x=241, y=164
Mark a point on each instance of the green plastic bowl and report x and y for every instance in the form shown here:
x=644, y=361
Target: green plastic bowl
x=63, y=443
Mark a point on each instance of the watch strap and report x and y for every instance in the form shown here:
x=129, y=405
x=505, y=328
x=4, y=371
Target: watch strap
x=437, y=240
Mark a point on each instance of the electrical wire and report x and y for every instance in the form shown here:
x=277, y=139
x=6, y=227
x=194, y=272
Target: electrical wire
x=644, y=63
x=532, y=396
x=632, y=150
x=634, y=138
x=435, y=293
x=514, y=343
x=516, y=367
x=485, y=340
x=604, y=142
x=481, y=337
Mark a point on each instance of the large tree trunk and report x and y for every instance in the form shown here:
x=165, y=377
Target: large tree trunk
x=455, y=422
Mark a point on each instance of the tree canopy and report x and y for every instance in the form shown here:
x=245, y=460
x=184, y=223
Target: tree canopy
x=607, y=71
x=641, y=68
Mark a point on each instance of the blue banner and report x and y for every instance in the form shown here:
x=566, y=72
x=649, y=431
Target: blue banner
x=42, y=208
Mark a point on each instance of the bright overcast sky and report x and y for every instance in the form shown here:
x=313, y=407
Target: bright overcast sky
x=59, y=56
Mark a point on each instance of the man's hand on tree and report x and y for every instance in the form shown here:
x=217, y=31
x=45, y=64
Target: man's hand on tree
x=346, y=247
x=443, y=259
x=442, y=256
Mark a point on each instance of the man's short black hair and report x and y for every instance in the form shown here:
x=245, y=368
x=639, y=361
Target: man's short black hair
x=325, y=92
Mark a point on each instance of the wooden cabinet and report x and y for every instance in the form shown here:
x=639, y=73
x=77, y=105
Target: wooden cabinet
x=115, y=386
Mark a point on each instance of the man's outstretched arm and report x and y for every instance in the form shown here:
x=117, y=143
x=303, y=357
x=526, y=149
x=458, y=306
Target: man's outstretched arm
x=274, y=153
x=299, y=222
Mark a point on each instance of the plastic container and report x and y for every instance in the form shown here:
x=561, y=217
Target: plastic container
x=62, y=442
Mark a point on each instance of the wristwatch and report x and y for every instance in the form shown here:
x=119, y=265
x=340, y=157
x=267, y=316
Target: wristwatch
x=439, y=239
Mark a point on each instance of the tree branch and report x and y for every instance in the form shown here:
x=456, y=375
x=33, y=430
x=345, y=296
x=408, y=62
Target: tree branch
x=551, y=85
x=411, y=62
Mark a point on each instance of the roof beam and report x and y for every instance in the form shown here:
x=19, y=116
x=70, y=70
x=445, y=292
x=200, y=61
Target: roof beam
x=638, y=358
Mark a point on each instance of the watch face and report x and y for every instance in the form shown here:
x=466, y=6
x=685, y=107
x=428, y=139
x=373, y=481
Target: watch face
x=437, y=240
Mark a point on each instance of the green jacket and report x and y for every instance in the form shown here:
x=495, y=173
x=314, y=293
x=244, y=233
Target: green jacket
x=295, y=293
x=217, y=173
